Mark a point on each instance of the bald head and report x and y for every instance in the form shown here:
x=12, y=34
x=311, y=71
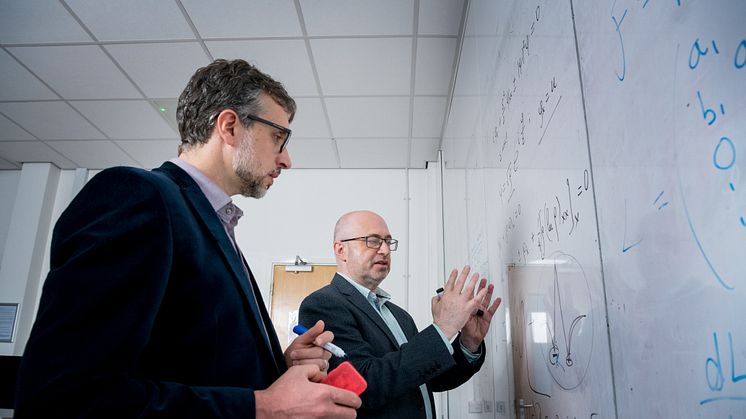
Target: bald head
x=348, y=223
x=366, y=266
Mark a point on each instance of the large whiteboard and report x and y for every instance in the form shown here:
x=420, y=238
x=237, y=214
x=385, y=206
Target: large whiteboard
x=593, y=165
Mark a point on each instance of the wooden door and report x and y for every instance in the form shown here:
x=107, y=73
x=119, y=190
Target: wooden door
x=288, y=291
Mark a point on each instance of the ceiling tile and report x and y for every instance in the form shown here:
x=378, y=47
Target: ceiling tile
x=150, y=153
x=33, y=152
x=369, y=116
x=388, y=153
x=161, y=70
x=6, y=165
x=358, y=17
x=77, y=71
x=17, y=83
x=313, y=153
x=115, y=20
x=440, y=17
x=94, y=154
x=427, y=119
x=482, y=20
x=50, y=120
x=310, y=121
x=241, y=18
x=12, y=132
x=469, y=80
x=462, y=119
x=285, y=60
x=423, y=150
x=125, y=120
x=35, y=21
x=167, y=108
x=435, y=58
x=380, y=66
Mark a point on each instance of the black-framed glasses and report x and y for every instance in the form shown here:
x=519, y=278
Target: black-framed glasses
x=284, y=130
x=375, y=242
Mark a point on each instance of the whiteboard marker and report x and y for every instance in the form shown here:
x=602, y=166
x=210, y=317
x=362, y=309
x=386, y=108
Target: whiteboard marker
x=334, y=349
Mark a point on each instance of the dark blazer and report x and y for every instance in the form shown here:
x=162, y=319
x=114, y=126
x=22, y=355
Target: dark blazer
x=146, y=311
x=393, y=373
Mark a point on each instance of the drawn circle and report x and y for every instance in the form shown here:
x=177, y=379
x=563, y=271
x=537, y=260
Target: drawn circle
x=716, y=154
x=569, y=317
x=740, y=58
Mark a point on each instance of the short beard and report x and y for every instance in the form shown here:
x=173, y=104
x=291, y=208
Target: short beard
x=245, y=165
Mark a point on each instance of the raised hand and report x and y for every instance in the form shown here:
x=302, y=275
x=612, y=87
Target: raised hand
x=452, y=309
x=476, y=328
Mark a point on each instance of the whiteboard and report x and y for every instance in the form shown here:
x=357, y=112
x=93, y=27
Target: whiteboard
x=592, y=161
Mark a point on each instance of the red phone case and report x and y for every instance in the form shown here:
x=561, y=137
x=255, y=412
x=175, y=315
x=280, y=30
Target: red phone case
x=346, y=376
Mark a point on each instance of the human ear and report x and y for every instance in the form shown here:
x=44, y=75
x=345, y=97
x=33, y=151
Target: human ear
x=226, y=125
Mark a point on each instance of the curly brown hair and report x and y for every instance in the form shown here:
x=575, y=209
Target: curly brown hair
x=221, y=85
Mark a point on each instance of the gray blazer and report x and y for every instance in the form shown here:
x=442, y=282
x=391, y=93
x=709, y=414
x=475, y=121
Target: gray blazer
x=394, y=373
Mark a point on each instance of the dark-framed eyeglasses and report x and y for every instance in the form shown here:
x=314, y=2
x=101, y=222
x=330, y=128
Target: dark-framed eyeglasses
x=375, y=242
x=285, y=131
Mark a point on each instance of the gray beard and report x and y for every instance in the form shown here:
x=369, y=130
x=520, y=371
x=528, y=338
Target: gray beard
x=245, y=166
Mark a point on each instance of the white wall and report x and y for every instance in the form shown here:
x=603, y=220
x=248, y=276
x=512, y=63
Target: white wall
x=24, y=245
x=8, y=186
x=298, y=214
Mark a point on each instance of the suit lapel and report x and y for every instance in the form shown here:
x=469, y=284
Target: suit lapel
x=273, y=342
x=206, y=213
x=362, y=304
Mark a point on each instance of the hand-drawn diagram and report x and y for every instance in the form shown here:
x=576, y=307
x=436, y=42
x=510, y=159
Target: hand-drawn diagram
x=567, y=343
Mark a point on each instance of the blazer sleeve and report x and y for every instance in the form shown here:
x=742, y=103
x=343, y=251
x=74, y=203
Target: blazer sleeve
x=454, y=376
x=112, y=252
x=461, y=372
x=390, y=373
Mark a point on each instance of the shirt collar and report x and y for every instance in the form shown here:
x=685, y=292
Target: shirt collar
x=215, y=195
x=379, y=293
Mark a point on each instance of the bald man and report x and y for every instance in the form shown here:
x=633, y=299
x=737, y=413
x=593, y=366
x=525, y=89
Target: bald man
x=402, y=366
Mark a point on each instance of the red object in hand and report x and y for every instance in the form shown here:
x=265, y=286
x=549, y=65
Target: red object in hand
x=346, y=376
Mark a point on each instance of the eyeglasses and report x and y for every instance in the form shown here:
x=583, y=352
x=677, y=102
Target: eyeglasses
x=375, y=242
x=285, y=131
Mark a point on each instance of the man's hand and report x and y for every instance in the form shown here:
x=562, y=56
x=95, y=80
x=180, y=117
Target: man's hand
x=476, y=328
x=298, y=394
x=306, y=348
x=458, y=303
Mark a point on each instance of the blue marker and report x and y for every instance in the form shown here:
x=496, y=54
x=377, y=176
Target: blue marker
x=334, y=349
